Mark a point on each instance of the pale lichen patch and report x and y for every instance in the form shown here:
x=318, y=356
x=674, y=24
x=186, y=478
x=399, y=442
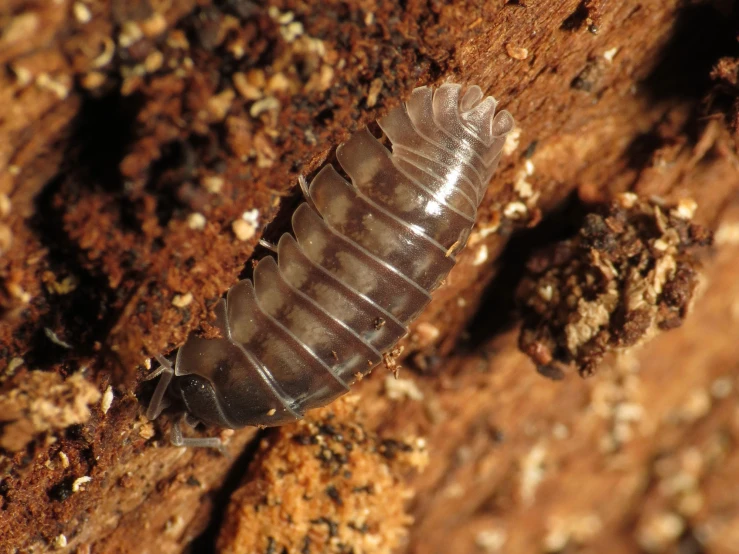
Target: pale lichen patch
x=60, y=541
x=196, y=221
x=78, y=485
x=491, y=541
x=659, y=531
x=243, y=229
x=107, y=400
x=44, y=402
x=512, y=141
x=533, y=469
x=401, y=389
x=517, y=52
x=182, y=300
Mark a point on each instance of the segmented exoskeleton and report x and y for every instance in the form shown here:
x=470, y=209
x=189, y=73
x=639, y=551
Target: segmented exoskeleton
x=362, y=265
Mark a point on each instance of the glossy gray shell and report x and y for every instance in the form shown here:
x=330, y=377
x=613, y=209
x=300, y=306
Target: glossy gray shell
x=360, y=268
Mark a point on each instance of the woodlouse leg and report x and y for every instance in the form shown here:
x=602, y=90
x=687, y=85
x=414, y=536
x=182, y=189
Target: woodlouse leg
x=190, y=442
x=158, y=402
x=154, y=374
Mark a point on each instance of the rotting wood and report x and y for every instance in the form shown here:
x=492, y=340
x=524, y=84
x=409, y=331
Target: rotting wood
x=104, y=159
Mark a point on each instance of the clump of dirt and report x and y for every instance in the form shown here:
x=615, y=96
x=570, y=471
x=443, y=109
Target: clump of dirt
x=324, y=485
x=42, y=402
x=629, y=272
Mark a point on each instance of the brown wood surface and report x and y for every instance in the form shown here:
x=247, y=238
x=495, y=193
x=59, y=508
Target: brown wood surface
x=120, y=120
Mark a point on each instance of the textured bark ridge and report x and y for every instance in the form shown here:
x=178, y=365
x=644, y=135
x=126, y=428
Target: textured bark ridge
x=146, y=146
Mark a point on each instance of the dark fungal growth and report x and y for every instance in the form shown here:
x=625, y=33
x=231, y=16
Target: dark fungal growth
x=629, y=272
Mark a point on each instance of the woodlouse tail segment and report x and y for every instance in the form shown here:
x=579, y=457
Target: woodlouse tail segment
x=452, y=139
x=478, y=116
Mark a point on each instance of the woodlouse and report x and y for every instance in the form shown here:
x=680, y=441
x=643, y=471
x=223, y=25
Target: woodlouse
x=362, y=265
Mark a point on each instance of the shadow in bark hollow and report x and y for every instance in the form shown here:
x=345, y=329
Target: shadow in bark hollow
x=97, y=142
x=101, y=134
x=205, y=543
x=75, y=316
x=496, y=312
x=701, y=35
x=578, y=18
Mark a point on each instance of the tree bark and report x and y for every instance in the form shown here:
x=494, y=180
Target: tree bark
x=135, y=135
